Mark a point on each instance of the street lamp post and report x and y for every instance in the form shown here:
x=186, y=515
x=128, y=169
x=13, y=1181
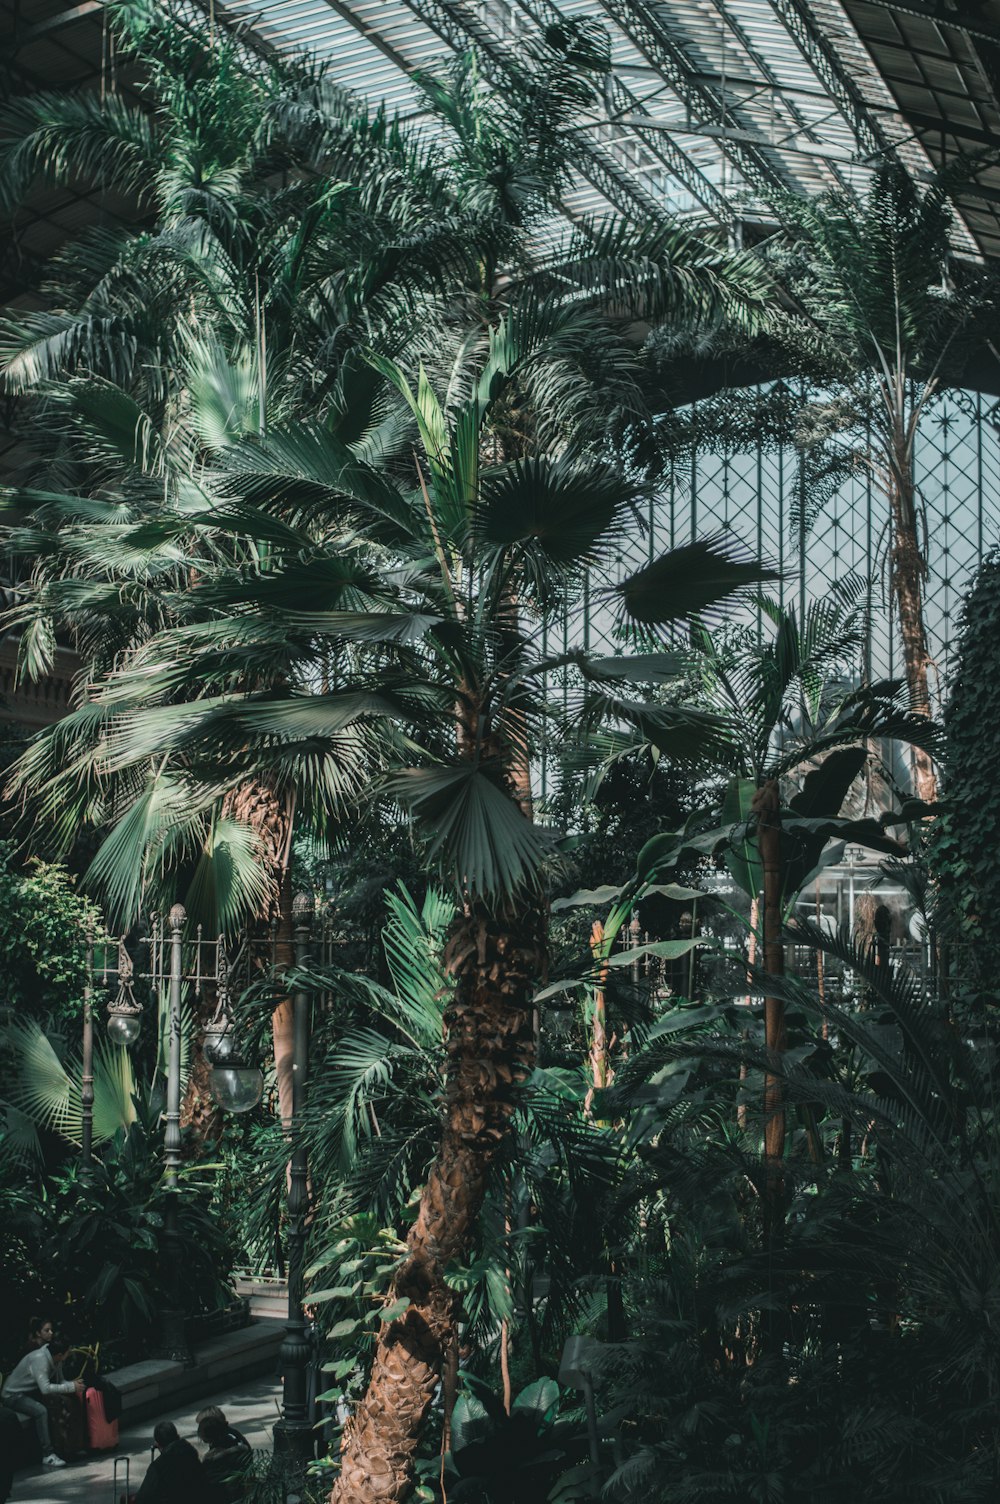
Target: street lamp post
x=87, y=1084
x=293, y=1433
x=173, y=1340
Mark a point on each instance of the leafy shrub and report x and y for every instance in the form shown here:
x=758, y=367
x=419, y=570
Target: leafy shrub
x=965, y=846
x=43, y=937
x=95, y=1252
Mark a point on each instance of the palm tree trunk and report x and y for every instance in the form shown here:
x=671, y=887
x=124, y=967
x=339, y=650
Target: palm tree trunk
x=260, y=806
x=766, y=806
x=908, y=572
x=598, y=1052
x=495, y=959
x=741, y=1109
x=201, y=1117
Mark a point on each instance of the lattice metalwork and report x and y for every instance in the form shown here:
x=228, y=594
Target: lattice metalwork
x=755, y=495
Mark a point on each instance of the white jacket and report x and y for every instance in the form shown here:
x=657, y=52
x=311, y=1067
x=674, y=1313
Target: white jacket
x=36, y=1374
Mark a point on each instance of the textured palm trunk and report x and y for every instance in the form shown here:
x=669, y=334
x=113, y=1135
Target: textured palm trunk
x=767, y=807
x=283, y=1017
x=908, y=573
x=598, y=1053
x=259, y=805
x=201, y=1117
x=495, y=960
x=741, y=1110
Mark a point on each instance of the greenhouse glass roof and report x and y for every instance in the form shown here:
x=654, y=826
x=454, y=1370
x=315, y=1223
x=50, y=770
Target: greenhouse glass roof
x=710, y=108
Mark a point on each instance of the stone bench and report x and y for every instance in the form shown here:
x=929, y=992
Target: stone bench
x=156, y=1385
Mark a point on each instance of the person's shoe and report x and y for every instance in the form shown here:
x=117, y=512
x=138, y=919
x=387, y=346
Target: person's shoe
x=52, y=1461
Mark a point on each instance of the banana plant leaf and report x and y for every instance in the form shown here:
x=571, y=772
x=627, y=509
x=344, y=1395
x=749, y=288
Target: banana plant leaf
x=808, y=824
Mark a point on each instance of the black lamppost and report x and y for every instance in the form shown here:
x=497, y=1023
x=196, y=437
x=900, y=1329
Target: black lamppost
x=124, y=1010
x=87, y=1084
x=294, y=1439
x=124, y=1023
x=173, y=1338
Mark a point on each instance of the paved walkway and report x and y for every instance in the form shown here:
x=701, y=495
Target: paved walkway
x=252, y=1408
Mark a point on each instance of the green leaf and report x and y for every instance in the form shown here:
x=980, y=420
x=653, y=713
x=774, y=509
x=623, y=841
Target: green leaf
x=670, y=950
x=344, y=1329
x=863, y=832
x=537, y=1400
x=116, y=420
x=588, y=898
x=397, y=1308
x=690, y=582
x=741, y=856
x=481, y=838
x=470, y=1422
x=638, y=668
x=825, y=787
x=555, y=509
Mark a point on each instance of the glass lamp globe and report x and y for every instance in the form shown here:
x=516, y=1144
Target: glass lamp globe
x=123, y=1028
x=236, y=1087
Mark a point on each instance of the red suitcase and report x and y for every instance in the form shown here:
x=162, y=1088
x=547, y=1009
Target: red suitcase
x=102, y=1434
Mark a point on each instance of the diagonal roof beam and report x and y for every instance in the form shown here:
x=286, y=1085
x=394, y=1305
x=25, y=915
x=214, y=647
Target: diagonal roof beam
x=56, y=22
x=824, y=62
x=371, y=34
x=959, y=18
x=643, y=27
x=807, y=129
x=871, y=134
x=620, y=101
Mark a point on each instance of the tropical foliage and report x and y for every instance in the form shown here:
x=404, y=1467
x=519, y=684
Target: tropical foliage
x=329, y=447
x=964, y=850
x=44, y=926
x=886, y=318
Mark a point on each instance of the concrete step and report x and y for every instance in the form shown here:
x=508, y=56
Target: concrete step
x=156, y=1385
x=267, y=1296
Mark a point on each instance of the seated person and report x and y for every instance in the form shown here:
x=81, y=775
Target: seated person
x=226, y=1460
x=175, y=1476
x=212, y=1414
x=38, y=1375
x=40, y=1332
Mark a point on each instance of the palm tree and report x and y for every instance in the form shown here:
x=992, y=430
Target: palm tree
x=889, y=1260
x=256, y=270
x=883, y=316
x=273, y=610
x=403, y=596
x=892, y=316
x=248, y=302
x=795, y=720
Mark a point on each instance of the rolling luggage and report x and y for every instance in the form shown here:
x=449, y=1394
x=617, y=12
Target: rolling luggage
x=66, y=1425
x=116, y=1482
x=102, y=1433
